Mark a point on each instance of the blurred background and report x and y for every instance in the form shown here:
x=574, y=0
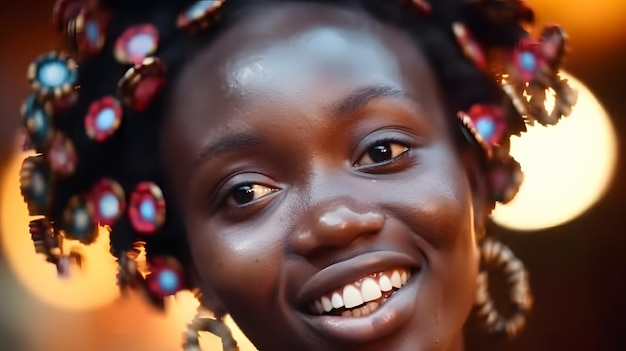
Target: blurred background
x=568, y=225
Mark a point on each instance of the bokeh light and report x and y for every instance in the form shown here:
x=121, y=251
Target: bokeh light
x=87, y=288
x=567, y=167
x=91, y=287
x=592, y=25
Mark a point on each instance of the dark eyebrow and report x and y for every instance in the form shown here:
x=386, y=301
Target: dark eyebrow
x=361, y=97
x=228, y=143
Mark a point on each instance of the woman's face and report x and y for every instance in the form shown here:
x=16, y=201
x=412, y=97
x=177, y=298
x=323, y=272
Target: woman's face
x=325, y=203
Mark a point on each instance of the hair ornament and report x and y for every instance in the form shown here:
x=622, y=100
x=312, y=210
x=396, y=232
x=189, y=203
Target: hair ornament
x=63, y=12
x=103, y=118
x=86, y=32
x=108, y=202
x=53, y=76
x=136, y=43
x=147, y=208
x=505, y=177
x=486, y=124
x=129, y=274
x=37, y=119
x=142, y=83
x=35, y=180
x=50, y=245
x=62, y=155
x=166, y=277
x=199, y=15
x=527, y=61
x=78, y=221
x=471, y=48
x=46, y=243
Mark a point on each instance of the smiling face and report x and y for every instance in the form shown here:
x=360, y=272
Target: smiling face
x=325, y=202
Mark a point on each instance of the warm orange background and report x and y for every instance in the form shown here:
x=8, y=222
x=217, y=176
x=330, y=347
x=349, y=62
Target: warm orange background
x=578, y=270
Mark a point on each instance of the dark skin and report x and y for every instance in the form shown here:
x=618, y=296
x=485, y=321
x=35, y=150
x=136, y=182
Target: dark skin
x=310, y=147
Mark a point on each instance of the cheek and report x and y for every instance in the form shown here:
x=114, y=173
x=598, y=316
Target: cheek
x=439, y=209
x=242, y=270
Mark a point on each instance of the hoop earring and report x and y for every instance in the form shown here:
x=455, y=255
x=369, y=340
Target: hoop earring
x=203, y=322
x=496, y=255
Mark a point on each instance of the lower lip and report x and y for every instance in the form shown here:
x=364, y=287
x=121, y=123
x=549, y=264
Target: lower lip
x=389, y=317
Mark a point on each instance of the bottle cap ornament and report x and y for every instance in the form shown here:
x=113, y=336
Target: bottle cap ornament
x=486, y=124
x=86, y=32
x=63, y=12
x=469, y=45
x=78, y=222
x=147, y=208
x=37, y=119
x=136, y=44
x=103, y=118
x=166, y=277
x=108, y=202
x=62, y=155
x=505, y=178
x=35, y=180
x=199, y=16
x=142, y=83
x=53, y=76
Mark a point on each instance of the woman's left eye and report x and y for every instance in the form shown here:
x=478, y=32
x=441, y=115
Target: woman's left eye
x=382, y=152
x=244, y=194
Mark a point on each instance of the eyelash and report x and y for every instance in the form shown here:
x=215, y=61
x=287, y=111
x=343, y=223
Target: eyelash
x=227, y=200
x=393, y=140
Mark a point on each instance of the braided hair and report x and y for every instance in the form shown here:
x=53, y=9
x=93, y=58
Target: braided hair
x=95, y=113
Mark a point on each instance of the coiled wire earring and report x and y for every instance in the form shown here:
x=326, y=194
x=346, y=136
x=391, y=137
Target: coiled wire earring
x=204, y=322
x=495, y=255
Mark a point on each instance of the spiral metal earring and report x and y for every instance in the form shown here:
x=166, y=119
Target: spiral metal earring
x=496, y=255
x=203, y=322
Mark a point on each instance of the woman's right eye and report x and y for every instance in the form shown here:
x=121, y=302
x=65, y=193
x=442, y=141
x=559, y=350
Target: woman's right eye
x=245, y=194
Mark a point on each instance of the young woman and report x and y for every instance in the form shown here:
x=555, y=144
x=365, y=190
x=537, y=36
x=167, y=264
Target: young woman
x=322, y=171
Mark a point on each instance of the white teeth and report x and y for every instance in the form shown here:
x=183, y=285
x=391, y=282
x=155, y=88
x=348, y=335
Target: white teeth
x=351, y=296
x=327, y=304
x=396, y=281
x=337, y=300
x=370, y=291
x=385, y=283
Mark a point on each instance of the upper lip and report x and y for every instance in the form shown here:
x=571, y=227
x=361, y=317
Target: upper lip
x=348, y=271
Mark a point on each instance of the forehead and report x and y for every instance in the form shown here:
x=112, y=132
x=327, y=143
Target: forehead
x=294, y=59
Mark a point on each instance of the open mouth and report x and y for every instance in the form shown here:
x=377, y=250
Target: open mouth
x=363, y=296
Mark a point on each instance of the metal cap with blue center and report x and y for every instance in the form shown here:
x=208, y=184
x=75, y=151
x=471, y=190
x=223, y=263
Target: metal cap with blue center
x=199, y=15
x=78, y=222
x=53, y=76
x=35, y=180
x=108, y=201
x=103, y=118
x=136, y=43
x=87, y=33
x=37, y=119
x=147, y=208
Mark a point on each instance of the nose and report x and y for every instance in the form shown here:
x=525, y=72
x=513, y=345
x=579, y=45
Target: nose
x=335, y=224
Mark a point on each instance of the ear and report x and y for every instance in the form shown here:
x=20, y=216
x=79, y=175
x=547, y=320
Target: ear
x=477, y=179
